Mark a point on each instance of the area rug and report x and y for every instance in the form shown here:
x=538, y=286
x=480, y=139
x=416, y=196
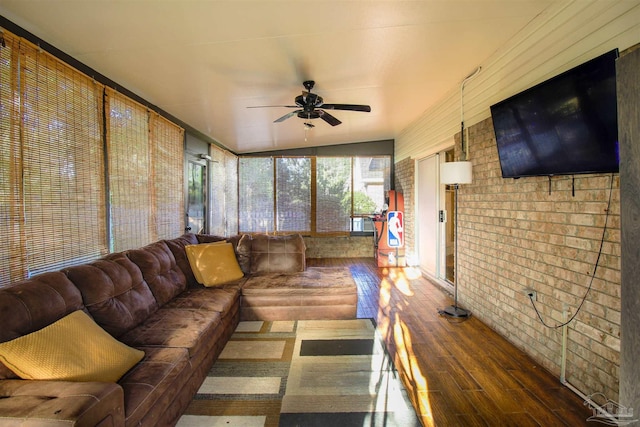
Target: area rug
x=304, y=374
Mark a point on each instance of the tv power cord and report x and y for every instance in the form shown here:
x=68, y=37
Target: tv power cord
x=593, y=275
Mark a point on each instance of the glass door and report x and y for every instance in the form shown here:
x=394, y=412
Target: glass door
x=449, y=227
x=196, y=196
x=449, y=233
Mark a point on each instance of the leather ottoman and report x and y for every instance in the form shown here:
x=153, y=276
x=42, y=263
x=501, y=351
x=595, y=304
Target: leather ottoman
x=316, y=293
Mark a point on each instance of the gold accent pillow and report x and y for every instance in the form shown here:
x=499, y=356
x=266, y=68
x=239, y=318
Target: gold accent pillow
x=73, y=348
x=196, y=271
x=213, y=264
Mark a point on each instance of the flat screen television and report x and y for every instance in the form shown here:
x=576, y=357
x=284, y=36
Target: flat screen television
x=565, y=125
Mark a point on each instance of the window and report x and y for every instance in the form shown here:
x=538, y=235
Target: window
x=51, y=153
x=60, y=205
x=11, y=249
x=145, y=192
x=293, y=194
x=311, y=195
x=218, y=192
x=256, y=193
x=129, y=172
x=167, y=158
x=333, y=194
x=223, y=219
x=231, y=194
x=371, y=182
x=196, y=196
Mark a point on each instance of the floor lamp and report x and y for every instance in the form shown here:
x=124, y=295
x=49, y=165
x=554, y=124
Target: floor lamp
x=455, y=173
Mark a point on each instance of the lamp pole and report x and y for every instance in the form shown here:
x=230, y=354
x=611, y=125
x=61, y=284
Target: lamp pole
x=456, y=173
x=454, y=310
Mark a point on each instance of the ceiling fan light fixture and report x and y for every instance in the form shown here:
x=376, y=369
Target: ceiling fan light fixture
x=311, y=106
x=315, y=114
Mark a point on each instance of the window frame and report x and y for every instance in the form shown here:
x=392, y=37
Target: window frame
x=314, y=192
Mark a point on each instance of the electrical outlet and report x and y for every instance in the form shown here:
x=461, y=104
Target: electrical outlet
x=531, y=294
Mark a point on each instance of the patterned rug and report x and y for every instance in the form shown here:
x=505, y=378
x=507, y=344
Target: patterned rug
x=302, y=373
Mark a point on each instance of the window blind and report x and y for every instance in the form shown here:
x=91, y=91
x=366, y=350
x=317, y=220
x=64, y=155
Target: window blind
x=55, y=210
x=62, y=163
x=167, y=162
x=256, y=194
x=217, y=192
x=129, y=159
x=12, y=250
x=223, y=215
x=231, y=194
x=293, y=194
x=333, y=194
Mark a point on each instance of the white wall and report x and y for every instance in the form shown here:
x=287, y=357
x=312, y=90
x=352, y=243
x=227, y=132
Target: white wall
x=565, y=35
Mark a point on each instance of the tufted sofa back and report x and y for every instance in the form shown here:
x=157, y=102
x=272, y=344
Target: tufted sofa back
x=160, y=270
x=176, y=246
x=32, y=304
x=277, y=254
x=119, y=291
x=123, y=289
x=114, y=292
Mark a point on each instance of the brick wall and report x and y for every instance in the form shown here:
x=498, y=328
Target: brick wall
x=518, y=234
x=339, y=247
x=404, y=183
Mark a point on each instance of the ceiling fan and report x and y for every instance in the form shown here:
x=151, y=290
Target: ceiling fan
x=311, y=106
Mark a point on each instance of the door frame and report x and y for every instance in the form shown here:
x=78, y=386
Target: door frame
x=439, y=275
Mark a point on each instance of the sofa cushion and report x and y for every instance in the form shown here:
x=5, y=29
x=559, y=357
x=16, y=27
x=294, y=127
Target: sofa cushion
x=214, y=264
x=273, y=254
x=162, y=372
x=32, y=304
x=73, y=348
x=210, y=238
x=173, y=327
x=114, y=292
x=176, y=246
x=221, y=299
x=60, y=403
x=243, y=253
x=160, y=271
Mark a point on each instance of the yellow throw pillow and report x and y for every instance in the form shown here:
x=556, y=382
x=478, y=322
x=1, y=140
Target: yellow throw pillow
x=196, y=271
x=213, y=263
x=74, y=348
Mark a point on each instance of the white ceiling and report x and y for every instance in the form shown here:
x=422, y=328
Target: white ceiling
x=206, y=61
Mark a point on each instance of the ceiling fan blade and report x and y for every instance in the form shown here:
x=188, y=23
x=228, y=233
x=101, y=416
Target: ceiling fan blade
x=348, y=107
x=329, y=118
x=273, y=106
x=286, y=116
x=311, y=106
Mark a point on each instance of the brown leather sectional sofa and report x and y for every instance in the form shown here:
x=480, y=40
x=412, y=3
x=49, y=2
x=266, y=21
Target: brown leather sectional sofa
x=149, y=299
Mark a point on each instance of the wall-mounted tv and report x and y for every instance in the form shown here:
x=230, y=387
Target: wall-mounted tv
x=565, y=125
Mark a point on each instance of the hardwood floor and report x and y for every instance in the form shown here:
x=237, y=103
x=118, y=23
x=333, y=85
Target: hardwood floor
x=457, y=373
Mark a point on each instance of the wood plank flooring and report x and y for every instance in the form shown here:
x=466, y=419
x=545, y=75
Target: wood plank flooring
x=457, y=373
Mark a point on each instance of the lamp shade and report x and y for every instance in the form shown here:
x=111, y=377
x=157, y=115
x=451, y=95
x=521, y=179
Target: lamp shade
x=455, y=173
